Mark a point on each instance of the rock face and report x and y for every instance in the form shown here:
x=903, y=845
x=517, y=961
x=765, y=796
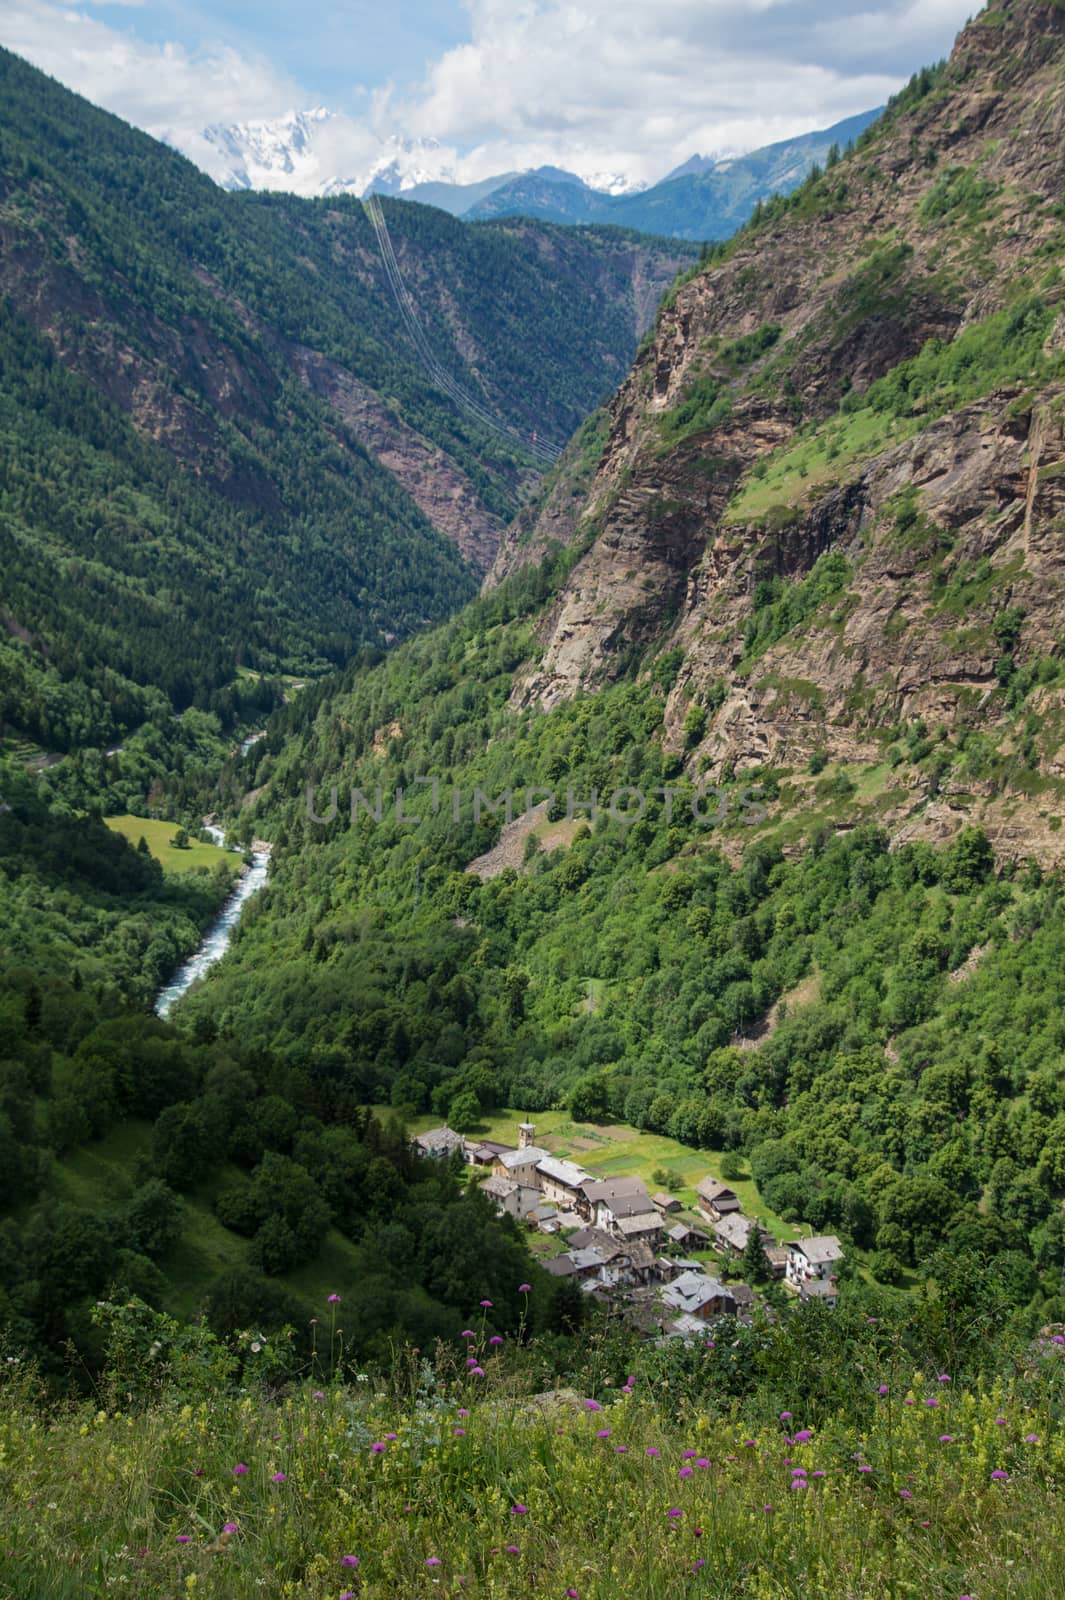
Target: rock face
x=436, y=483
x=731, y=465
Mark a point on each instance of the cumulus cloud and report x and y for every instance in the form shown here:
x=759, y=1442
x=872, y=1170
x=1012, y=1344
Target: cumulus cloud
x=596, y=86
x=644, y=85
x=167, y=89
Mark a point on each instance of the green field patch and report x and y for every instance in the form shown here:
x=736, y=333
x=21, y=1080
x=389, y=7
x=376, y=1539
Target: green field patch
x=159, y=837
x=623, y=1152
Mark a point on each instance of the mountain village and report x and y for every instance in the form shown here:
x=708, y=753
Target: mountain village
x=637, y=1252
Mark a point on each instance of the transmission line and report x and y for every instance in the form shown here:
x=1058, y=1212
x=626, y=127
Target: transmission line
x=542, y=449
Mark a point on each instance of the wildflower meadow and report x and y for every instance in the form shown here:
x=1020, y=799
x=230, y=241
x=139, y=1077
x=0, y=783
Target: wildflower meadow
x=442, y=1477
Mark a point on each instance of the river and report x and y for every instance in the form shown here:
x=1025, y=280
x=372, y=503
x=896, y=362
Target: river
x=216, y=940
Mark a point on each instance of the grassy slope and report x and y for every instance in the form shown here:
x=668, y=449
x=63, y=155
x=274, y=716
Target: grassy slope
x=476, y=1498
x=99, y=1175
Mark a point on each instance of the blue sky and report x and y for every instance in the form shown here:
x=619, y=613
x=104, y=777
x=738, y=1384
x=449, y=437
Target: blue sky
x=330, y=50
x=598, y=86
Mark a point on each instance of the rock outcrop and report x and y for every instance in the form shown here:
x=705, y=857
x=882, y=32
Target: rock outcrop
x=745, y=444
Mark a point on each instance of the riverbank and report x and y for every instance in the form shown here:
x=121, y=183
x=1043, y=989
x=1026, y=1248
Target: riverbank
x=218, y=937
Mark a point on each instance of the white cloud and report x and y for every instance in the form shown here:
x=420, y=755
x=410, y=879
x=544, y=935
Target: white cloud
x=630, y=86
x=624, y=82
x=168, y=90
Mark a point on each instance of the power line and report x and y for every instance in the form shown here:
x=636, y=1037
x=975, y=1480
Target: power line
x=542, y=449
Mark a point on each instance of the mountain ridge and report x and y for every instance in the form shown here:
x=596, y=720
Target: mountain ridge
x=216, y=425
x=868, y=371
x=706, y=197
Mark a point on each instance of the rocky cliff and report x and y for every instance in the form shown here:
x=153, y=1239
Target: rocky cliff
x=835, y=479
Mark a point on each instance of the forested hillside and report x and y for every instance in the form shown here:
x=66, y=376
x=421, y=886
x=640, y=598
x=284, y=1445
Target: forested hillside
x=833, y=482
x=785, y=715
x=859, y=989
x=220, y=452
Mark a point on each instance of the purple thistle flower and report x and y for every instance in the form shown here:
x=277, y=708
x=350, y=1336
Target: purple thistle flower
x=525, y=1288
x=674, y=1512
x=518, y=1510
x=460, y=1433
x=603, y=1433
x=904, y=1494
x=462, y=1412
x=999, y=1476
x=804, y=1434
x=798, y=1472
x=278, y=1477
x=1000, y=1422
x=349, y=1561
x=240, y=1469
x=391, y=1435
x=622, y=1449
x=513, y=1549
x=571, y=1594
x=467, y=1333
x=767, y=1508
x=785, y=1416
x=486, y=1305
x=946, y=1438
x=818, y=1472
x=689, y=1455
x=432, y=1561
x=592, y=1405
x=229, y=1527
x=183, y=1538
x=698, y=1564
x=476, y=1372
x=702, y=1462
x=864, y=1468
x=651, y=1451
x=684, y=1472
x=931, y=1400
x=378, y=1447
x=1031, y=1438
x=495, y=1339
x=944, y=1377
x=332, y=1300
x=471, y=1361
x=798, y=1483
x=883, y=1389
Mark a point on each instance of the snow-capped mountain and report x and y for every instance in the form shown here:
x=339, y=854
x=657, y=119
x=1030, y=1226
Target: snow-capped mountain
x=612, y=183
x=401, y=165
x=318, y=152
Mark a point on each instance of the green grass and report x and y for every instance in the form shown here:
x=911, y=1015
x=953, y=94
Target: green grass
x=101, y=1175
x=471, y=1491
x=622, y=1152
x=819, y=460
x=159, y=837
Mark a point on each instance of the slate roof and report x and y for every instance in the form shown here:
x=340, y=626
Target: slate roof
x=440, y=1141
x=820, y=1250
x=642, y=1222
x=531, y=1156
x=597, y=1189
x=692, y=1290
x=565, y=1172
